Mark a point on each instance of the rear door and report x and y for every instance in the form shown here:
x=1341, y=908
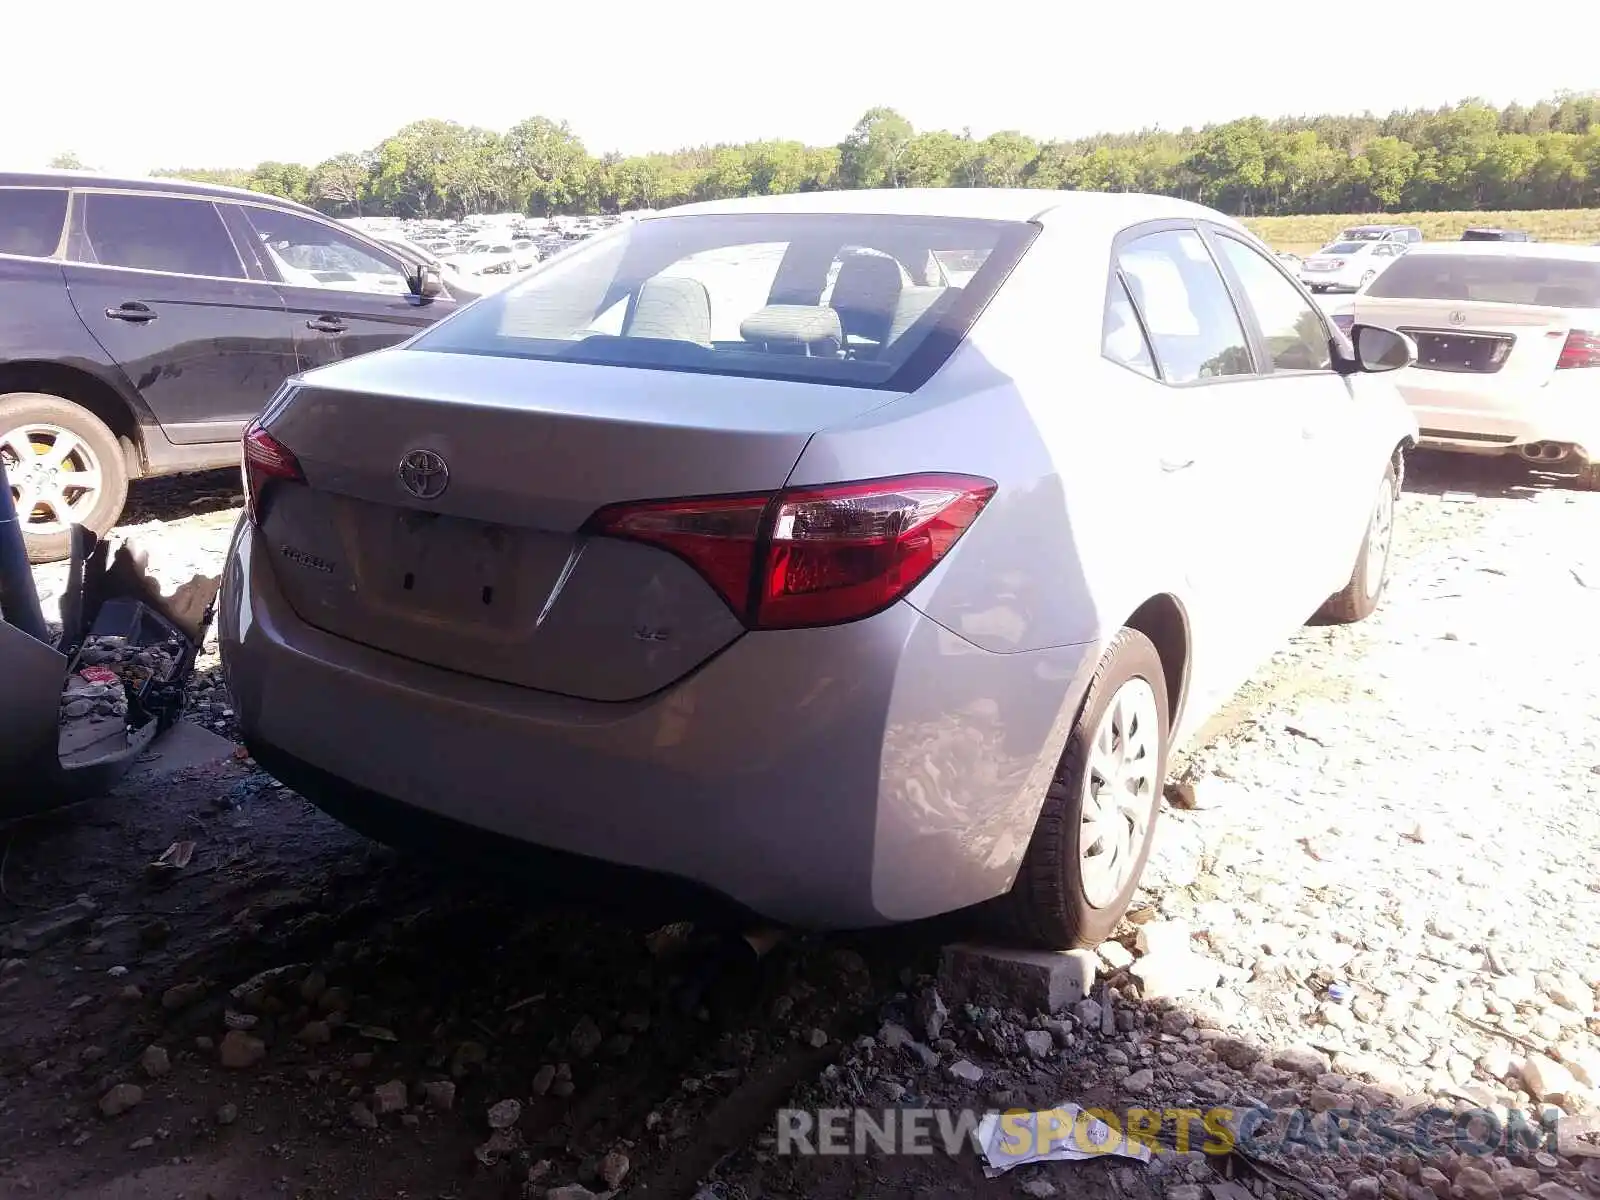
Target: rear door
x=160, y=284
x=1230, y=453
x=1339, y=420
x=345, y=295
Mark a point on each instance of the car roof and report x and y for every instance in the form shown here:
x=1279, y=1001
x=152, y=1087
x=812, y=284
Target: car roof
x=1380, y=227
x=1106, y=210
x=1510, y=250
x=136, y=183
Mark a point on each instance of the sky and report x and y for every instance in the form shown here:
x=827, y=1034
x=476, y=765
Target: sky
x=130, y=87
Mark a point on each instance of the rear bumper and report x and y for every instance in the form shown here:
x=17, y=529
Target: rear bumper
x=1483, y=415
x=881, y=771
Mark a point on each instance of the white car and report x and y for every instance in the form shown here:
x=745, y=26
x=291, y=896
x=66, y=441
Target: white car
x=490, y=257
x=524, y=253
x=1508, y=347
x=1348, y=266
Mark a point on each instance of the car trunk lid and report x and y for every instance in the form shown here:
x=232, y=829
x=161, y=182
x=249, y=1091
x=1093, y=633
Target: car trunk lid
x=1520, y=342
x=492, y=575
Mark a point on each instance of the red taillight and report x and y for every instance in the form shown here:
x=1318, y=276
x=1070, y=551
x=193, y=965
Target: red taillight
x=1582, y=349
x=265, y=459
x=813, y=555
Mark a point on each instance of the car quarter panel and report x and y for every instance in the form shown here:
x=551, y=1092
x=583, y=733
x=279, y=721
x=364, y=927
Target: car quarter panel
x=937, y=753
x=1028, y=402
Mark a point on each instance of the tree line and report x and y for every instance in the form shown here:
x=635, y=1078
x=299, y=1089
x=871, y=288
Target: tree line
x=1467, y=156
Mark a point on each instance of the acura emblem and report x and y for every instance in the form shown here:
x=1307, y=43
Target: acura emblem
x=424, y=474
x=1458, y=317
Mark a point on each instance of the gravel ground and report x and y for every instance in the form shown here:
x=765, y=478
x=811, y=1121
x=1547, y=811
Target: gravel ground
x=1375, y=892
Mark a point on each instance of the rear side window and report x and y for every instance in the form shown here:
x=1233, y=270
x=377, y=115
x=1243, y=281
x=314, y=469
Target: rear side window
x=1295, y=336
x=1123, y=340
x=1194, y=329
x=159, y=233
x=31, y=220
x=858, y=300
x=1492, y=278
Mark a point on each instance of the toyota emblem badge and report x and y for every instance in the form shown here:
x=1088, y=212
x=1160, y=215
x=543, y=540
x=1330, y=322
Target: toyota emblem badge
x=424, y=474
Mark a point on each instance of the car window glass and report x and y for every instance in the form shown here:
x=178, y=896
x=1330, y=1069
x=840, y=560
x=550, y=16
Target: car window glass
x=1491, y=278
x=308, y=253
x=31, y=220
x=1124, y=341
x=1194, y=330
x=159, y=233
x=1294, y=333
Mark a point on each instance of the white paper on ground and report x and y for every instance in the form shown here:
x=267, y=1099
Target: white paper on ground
x=1004, y=1141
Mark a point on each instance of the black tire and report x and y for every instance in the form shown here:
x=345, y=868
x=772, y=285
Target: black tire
x=1358, y=599
x=1047, y=907
x=19, y=409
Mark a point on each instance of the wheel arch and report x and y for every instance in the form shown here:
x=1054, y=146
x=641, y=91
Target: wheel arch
x=1163, y=620
x=90, y=392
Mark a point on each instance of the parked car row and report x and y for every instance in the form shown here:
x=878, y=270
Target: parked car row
x=1363, y=252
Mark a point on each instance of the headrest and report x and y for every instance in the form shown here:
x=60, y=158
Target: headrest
x=799, y=325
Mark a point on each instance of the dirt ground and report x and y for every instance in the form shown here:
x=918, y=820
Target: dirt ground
x=405, y=1001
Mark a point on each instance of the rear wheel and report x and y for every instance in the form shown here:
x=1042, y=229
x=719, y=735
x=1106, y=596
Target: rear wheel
x=1094, y=834
x=65, y=468
x=1359, y=598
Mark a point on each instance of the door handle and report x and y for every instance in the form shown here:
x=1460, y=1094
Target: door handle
x=327, y=325
x=1170, y=465
x=133, y=311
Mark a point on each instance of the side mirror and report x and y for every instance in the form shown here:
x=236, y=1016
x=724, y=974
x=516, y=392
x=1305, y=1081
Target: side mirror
x=1376, y=350
x=426, y=282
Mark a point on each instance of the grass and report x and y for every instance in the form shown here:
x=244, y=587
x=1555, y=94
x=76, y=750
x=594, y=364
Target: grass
x=1302, y=235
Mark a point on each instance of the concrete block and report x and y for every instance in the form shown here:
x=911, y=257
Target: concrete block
x=1029, y=979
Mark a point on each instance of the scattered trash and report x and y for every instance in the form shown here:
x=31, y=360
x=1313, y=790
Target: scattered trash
x=1340, y=992
x=173, y=859
x=377, y=1033
x=1459, y=498
x=1063, y=1134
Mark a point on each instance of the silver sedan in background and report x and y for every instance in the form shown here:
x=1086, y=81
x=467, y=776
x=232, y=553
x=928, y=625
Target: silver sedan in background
x=743, y=549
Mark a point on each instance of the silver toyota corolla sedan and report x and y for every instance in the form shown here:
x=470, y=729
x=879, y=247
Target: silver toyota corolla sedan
x=854, y=556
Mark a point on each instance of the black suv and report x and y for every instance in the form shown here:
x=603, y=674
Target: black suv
x=143, y=322
x=1483, y=233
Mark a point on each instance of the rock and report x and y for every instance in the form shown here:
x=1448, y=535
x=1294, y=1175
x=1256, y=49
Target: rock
x=240, y=1051
x=1303, y=1060
x=315, y=1033
x=572, y=1191
x=469, y=1056
x=1115, y=955
x=505, y=1114
x=965, y=1072
x=1435, y=1181
x=1516, y=1181
x=361, y=1060
x=34, y=933
x=1239, y=1055
x=362, y=1117
x=817, y=1039
x=1473, y=1184
x=143, y=1143
x=205, y=1044
x=1139, y=1082
x=1174, y=1021
x=893, y=1036
x=1039, y=1189
x=392, y=1097
x=155, y=1061
x=1088, y=1014
x=335, y=1000
x=440, y=1094
x=585, y=1038
x=1169, y=974
x=182, y=995
x=614, y=1169
x=542, y=1079
x=931, y=1013
x=1028, y=979
x=1547, y=1080
x=227, y=1114
x=120, y=1099
x=635, y=1022
x=1185, y=1191
x=1164, y=937
x=1039, y=1043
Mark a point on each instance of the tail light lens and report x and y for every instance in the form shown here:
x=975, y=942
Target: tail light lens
x=810, y=556
x=265, y=459
x=1582, y=349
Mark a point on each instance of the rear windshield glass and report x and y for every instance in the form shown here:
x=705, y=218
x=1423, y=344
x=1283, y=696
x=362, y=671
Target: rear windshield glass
x=1363, y=235
x=1495, y=278
x=1342, y=248
x=864, y=301
x=31, y=220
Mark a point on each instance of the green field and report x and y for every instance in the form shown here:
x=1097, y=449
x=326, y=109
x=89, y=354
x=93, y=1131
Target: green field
x=1301, y=235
